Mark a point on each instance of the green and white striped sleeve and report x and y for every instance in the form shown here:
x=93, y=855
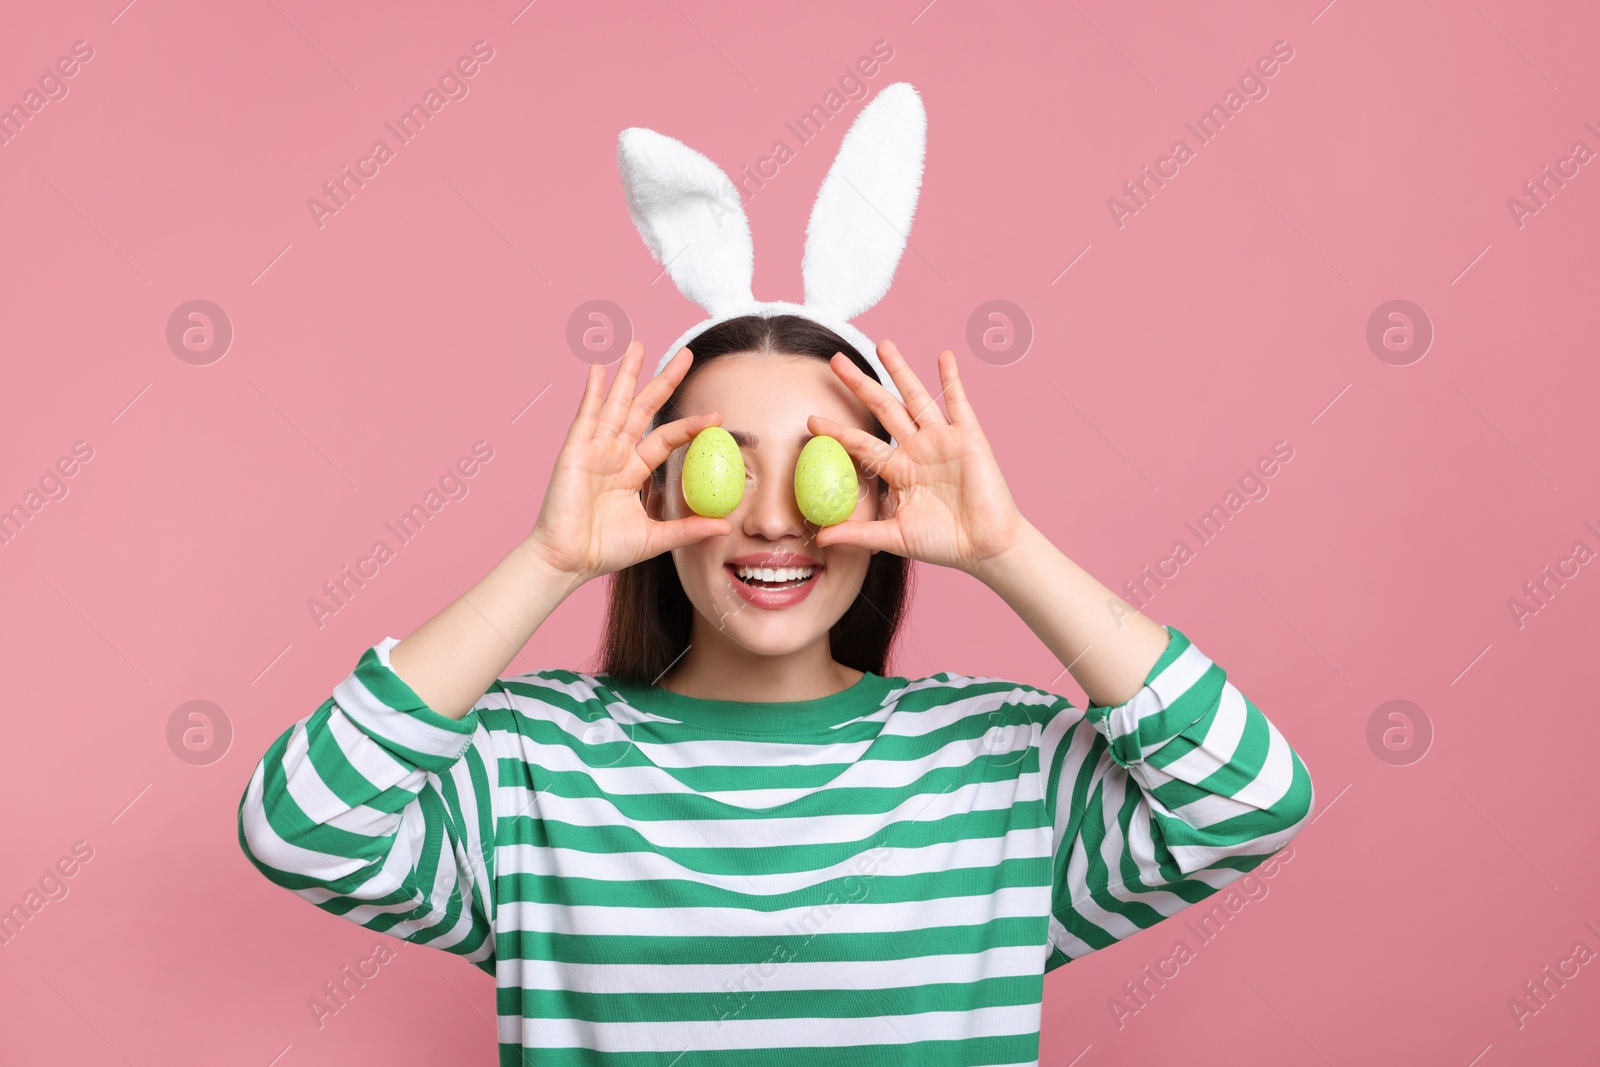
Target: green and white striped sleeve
x=378, y=809
x=1159, y=802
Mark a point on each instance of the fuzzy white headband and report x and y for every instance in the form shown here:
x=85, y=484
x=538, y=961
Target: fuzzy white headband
x=691, y=218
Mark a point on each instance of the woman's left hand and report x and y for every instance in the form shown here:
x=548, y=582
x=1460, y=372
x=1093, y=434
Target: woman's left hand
x=950, y=506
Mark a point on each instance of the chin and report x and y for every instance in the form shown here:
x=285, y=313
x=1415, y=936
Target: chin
x=770, y=641
x=775, y=631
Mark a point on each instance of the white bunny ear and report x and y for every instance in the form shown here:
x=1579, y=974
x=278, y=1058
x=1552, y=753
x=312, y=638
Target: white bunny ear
x=689, y=214
x=863, y=212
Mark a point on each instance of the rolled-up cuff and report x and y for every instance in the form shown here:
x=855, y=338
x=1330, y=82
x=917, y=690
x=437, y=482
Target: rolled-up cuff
x=1179, y=690
x=380, y=703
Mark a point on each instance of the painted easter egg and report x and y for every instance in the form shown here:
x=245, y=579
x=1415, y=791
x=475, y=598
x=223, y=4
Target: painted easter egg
x=825, y=481
x=713, y=473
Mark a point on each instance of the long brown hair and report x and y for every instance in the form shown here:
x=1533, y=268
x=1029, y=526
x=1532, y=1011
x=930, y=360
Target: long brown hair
x=649, y=616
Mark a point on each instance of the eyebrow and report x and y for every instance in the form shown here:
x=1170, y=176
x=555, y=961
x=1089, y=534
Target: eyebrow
x=746, y=439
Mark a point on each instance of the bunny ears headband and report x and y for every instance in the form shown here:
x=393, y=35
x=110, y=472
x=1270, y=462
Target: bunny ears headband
x=690, y=216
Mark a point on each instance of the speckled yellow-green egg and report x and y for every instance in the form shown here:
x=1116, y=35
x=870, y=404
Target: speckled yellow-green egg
x=825, y=481
x=713, y=473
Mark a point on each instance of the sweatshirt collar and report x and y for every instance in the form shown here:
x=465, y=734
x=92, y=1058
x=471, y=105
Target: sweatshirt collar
x=771, y=717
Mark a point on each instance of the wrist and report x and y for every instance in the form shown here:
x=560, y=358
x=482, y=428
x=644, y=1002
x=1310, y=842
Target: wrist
x=532, y=564
x=1018, y=562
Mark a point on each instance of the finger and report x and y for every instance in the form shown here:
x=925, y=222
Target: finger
x=955, y=393
x=656, y=392
x=588, y=404
x=660, y=443
x=924, y=409
x=664, y=535
x=883, y=534
x=890, y=412
x=873, y=453
x=615, y=410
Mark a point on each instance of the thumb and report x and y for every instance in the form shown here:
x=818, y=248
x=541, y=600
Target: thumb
x=878, y=534
x=664, y=536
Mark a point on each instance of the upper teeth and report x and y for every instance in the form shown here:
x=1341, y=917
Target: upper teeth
x=775, y=574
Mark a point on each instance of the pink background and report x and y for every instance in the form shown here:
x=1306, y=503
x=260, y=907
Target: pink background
x=1229, y=314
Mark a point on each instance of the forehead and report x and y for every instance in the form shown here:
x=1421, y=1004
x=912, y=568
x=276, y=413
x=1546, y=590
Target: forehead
x=764, y=393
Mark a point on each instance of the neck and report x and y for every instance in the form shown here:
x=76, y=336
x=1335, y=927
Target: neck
x=717, y=668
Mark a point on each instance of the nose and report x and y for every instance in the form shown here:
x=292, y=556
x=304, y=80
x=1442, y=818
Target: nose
x=770, y=511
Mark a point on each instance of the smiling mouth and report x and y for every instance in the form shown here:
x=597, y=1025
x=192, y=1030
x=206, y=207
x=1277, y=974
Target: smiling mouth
x=775, y=577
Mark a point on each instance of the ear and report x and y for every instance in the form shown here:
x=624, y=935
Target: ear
x=888, y=502
x=689, y=214
x=653, y=497
x=862, y=216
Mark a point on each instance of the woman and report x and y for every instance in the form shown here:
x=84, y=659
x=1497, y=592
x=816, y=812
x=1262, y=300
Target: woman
x=743, y=840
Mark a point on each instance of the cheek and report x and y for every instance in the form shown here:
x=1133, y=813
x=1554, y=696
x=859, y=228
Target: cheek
x=699, y=569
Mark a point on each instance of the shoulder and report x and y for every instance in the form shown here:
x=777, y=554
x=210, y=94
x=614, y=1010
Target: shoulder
x=975, y=694
x=550, y=693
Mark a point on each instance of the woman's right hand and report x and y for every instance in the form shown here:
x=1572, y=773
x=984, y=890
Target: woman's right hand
x=592, y=520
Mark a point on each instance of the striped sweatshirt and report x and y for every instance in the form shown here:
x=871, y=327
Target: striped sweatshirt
x=880, y=876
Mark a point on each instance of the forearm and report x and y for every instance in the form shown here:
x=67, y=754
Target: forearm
x=375, y=809
x=452, y=659
x=1108, y=651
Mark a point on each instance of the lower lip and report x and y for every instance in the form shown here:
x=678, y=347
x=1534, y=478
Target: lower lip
x=772, y=598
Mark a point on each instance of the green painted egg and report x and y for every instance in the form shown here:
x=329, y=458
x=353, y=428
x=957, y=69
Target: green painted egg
x=713, y=473
x=825, y=481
